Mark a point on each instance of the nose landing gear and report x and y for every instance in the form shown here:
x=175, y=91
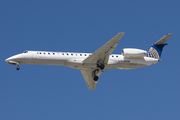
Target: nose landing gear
x=17, y=67
x=14, y=63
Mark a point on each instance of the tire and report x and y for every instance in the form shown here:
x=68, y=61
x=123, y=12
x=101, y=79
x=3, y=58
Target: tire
x=101, y=66
x=96, y=78
x=17, y=68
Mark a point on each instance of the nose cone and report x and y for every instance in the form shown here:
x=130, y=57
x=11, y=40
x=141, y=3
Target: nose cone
x=14, y=58
x=7, y=60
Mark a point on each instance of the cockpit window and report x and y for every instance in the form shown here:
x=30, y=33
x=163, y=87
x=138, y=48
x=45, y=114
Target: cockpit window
x=25, y=52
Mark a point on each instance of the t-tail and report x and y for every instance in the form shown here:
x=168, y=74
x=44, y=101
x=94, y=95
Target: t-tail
x=156, y=49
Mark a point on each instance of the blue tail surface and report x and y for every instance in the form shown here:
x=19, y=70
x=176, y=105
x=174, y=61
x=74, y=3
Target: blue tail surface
x=156, y=49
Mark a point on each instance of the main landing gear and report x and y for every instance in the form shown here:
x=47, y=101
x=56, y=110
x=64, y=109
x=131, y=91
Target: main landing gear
x=100, y=64
x=99, y=70
x=96, y=78
x=95, y=75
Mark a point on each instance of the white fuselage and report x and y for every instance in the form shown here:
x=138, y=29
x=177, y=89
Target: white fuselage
x=92, y=65
x=75, y=60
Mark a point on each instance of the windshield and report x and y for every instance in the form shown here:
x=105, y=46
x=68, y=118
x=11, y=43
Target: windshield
x=25, y=52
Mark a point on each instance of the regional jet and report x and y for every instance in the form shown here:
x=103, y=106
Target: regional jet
x=92, y=65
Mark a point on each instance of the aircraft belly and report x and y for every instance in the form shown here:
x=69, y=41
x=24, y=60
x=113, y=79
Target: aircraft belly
x=124, y=66
x=81, y=66
x=130, y=65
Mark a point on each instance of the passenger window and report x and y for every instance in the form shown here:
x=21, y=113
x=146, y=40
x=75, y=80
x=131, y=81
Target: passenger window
x=85, y=55
x=53, y=53
x=67, y=54
x=49, y=53
x=112, y=56
x=116, y=56
x=71, y=54
x=80, y=54
x=40, y=52
x=62, y=53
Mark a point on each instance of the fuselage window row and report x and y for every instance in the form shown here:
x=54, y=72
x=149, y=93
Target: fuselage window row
x=49, y=53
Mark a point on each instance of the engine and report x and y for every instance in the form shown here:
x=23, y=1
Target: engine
x=134, y=53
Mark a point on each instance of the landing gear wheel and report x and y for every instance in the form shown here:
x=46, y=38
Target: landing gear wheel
x=101, y=66
x=17, y=68
x=96, y=78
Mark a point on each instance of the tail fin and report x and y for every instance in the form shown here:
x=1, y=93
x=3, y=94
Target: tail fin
x=156, y=49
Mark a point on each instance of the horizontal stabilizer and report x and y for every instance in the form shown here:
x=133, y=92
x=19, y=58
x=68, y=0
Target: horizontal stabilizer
x=163, y=39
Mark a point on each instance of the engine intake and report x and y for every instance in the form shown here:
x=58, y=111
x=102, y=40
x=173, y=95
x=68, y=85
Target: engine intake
x=134, y=53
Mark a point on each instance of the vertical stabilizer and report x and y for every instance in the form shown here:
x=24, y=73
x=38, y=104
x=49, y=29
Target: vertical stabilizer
x=156, y=49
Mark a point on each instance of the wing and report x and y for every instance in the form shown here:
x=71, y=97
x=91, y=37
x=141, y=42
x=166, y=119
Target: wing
x=101, y=54
x=88, y=77
x=104, y=52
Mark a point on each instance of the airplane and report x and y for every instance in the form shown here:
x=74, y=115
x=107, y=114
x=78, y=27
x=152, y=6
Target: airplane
x=92, y=65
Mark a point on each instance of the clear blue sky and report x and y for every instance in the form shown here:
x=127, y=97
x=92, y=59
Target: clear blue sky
x=39, y=92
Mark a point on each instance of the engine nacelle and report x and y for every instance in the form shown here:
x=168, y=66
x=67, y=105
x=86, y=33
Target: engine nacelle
x=134, y=53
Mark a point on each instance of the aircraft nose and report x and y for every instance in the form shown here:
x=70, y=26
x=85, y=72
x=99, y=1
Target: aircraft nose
x=13, y=58
x=7, y=60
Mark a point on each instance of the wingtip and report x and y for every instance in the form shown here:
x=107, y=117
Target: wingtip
x=121, y=33
x=169, y=34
